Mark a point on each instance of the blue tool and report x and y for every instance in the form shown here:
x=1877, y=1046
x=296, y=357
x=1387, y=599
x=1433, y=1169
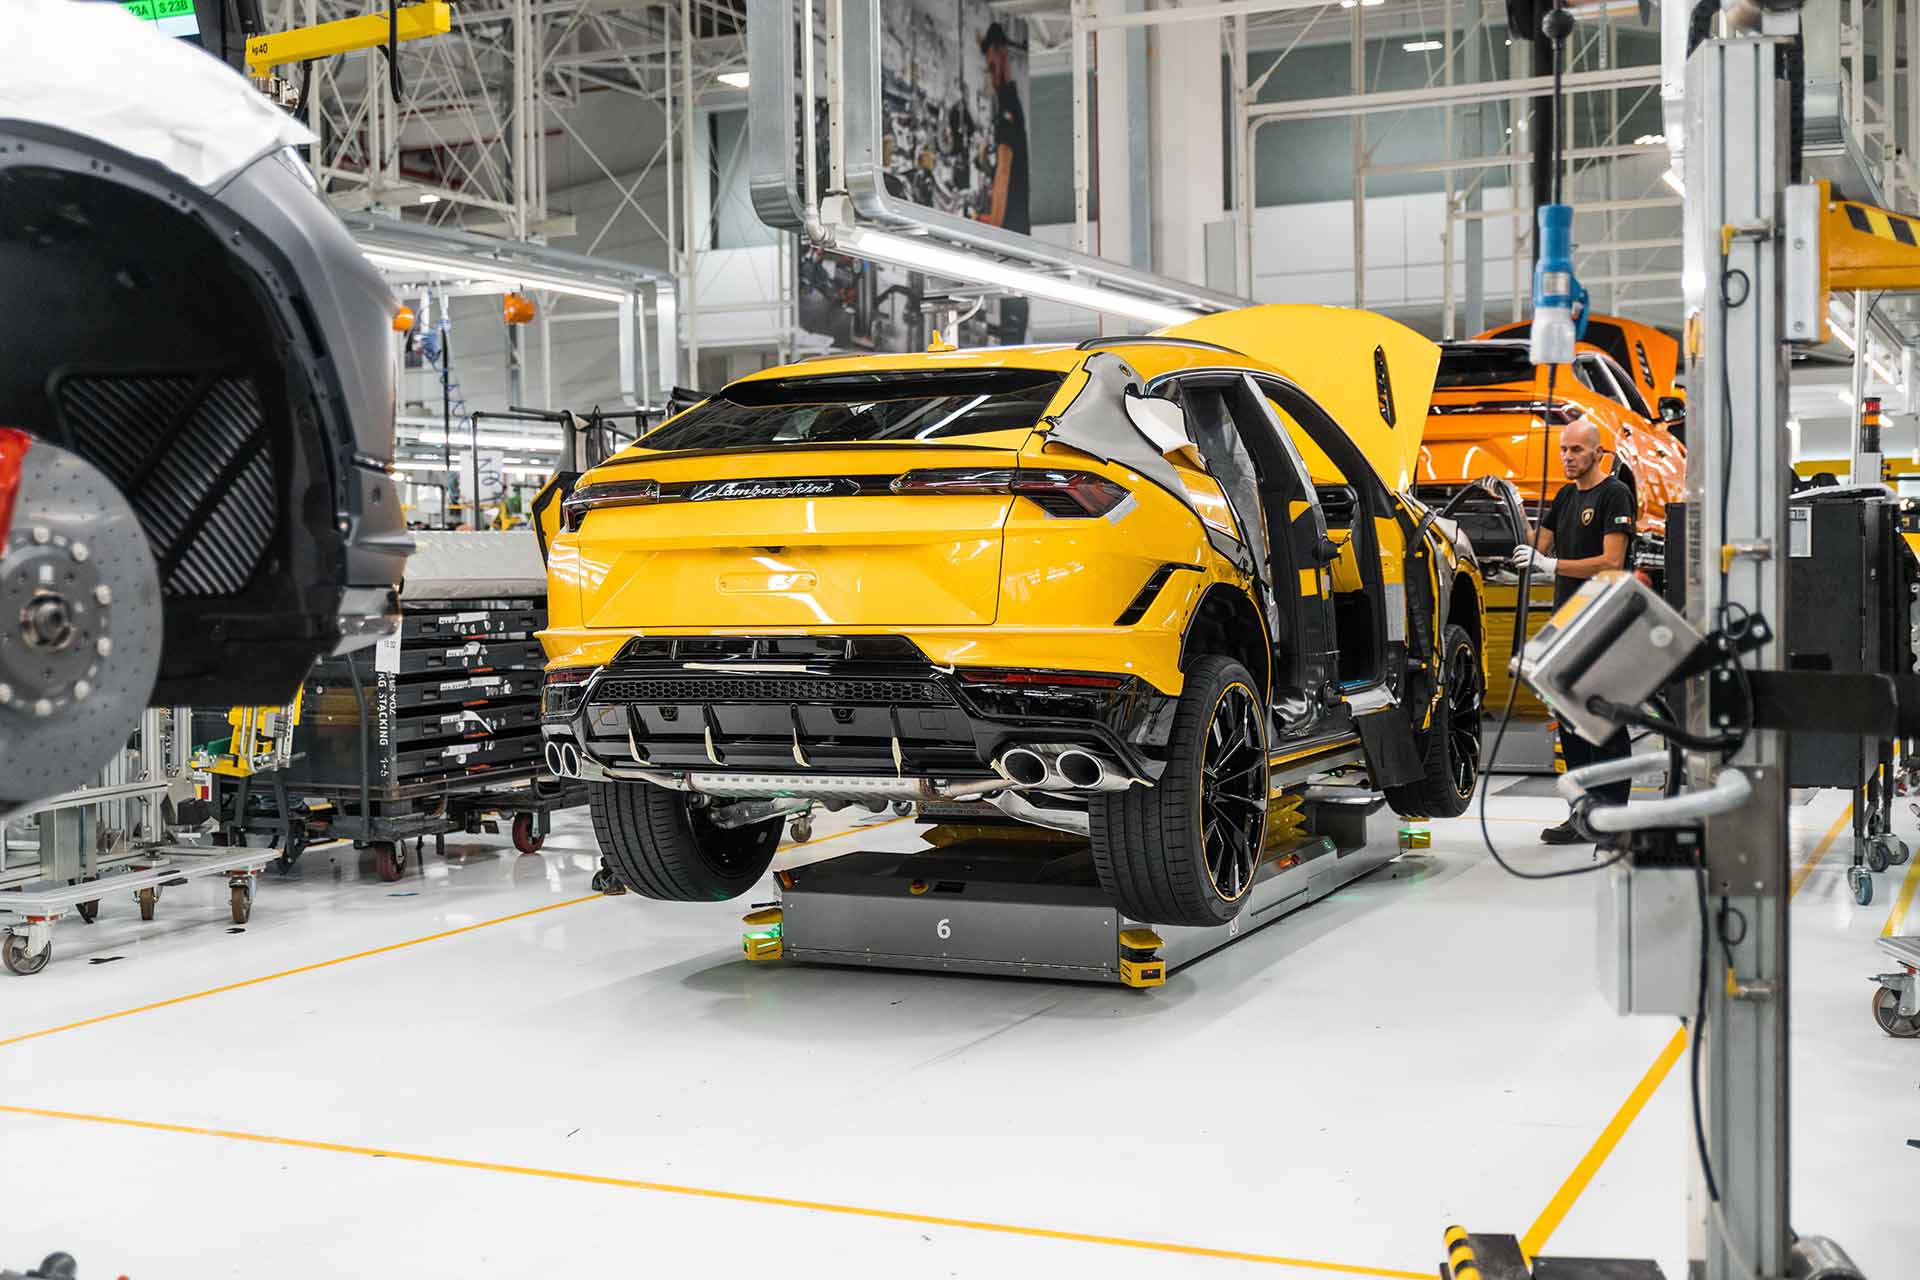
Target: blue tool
x=1559, y=300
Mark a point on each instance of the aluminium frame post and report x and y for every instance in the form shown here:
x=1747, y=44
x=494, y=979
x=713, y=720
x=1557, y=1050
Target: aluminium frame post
x=1737, y=168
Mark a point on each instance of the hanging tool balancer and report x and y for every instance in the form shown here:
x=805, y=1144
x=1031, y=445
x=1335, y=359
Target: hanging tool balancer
x=1559, y=300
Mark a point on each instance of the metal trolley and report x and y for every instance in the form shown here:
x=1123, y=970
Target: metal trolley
x=436, y=730
x=121, y=835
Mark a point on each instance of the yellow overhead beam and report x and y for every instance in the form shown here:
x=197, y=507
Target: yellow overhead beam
x=414, y=22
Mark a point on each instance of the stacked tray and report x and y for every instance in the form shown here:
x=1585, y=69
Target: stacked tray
x=452, y=699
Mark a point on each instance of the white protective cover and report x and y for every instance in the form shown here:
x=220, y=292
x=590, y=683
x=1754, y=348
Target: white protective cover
x=98, y=71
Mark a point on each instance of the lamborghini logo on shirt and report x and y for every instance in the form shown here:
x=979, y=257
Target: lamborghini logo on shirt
x=1586, y=517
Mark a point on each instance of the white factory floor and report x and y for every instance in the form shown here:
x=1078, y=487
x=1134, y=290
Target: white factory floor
x=486, y=1069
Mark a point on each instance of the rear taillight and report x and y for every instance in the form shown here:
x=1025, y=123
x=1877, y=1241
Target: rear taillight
x=614, y=493
x=998, y=675
x=562, y=691
x=1059, y=493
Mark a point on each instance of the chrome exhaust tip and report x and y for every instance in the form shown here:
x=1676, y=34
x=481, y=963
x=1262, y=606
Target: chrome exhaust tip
x=569, y=760
x=1081, y=769
x=552, y=754
x=1027, y=768
x=1084, y=770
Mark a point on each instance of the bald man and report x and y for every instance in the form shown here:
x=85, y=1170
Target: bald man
x=1584, y=533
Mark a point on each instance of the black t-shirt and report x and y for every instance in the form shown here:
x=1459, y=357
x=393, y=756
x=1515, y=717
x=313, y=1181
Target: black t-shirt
x=1010, y=130
x=1581, y=520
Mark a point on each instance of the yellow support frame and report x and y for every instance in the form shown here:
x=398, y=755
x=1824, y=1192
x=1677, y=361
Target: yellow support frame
x=302, y=44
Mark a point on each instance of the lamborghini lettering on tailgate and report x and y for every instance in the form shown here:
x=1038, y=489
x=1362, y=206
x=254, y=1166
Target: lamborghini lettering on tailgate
x=811, y=487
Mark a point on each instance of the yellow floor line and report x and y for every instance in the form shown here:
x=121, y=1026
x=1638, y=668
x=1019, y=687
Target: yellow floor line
x=1583, y=1173
x=1820, y=850
x=288, y=973
x=840, y=835
x=1550, y=1217
x=1898, y=916
x=360, y=955
x=736, y=1197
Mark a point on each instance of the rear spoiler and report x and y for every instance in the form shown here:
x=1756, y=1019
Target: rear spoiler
x=1374, y=375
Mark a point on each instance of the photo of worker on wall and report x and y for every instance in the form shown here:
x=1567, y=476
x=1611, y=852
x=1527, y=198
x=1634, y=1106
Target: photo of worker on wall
x=953, y=88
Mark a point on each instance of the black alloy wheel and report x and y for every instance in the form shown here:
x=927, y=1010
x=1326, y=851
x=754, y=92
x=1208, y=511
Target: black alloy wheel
x=1233, y=792
x=1465, y=695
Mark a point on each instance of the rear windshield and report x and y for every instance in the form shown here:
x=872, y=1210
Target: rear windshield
x=1483, y=366
x=845, y=408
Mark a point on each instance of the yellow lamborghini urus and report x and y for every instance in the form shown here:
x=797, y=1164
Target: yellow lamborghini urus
x=1113, y=589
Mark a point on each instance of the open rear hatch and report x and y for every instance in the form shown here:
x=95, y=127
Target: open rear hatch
x=840, y=500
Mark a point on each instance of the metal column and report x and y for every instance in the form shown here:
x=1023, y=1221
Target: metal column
x=1737, y=166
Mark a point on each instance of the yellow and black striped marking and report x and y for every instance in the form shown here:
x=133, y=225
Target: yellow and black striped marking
x=1868, y=220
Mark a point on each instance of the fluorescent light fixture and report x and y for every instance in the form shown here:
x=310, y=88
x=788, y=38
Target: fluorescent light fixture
x=461, y=441
x=505, y=274
x=428, y=197
x=1672, y=179
x=1364, y=4
x=1650, y=140
x=733, y=79
x=920, y=255
x=1422, y=46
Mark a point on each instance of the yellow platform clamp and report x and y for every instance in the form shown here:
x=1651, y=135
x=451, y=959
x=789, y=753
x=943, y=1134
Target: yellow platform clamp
x=761, y=941
x=1140, y=963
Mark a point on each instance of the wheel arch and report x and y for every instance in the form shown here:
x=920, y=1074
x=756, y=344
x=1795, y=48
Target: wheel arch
x=1226, y=622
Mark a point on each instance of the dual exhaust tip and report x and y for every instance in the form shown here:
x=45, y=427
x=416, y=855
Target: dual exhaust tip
x=1062, y=769
x=563, y=758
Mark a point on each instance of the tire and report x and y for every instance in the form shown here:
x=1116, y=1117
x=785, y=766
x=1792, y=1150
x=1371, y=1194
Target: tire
x=1450, y=748
x=389, y=860
x=523, y=838
x=1886, y=1012
x=1185, y=851
x=663, y=848
x=15, y=956
x=1862, y=885
x=1876, y=853
x=240, y=902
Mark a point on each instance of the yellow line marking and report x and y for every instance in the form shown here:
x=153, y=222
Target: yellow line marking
x=1550, y=1217
x=1583, y=1173
x=711, y=1193
x=1820, y=850
x=305, y=968
x=362, y=955
x=840, y=835
x=1898, y=916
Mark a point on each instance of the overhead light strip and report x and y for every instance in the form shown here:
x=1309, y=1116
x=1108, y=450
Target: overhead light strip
x=921, y=255
x=507, y=275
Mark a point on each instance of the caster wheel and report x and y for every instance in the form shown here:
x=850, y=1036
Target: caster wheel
x=1897, y=851
x=390, y=860
x=1862, y=886
x=1877, y=854
x=15, y=955
x=523, y=838
x=148, y=900
x=89, y=911
x=1886, y=1012
x=801, y=829
x=903, y=808
x=604, y=881
x=241, y=898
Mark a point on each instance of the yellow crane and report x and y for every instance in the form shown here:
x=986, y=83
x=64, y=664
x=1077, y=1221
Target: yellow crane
x=302, y=44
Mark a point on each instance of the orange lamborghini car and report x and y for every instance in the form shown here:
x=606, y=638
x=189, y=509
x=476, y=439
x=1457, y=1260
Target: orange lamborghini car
x=1491, y=447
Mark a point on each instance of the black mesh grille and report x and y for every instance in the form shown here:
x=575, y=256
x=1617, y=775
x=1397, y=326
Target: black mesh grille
x=190, y=452
x=743, y=688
